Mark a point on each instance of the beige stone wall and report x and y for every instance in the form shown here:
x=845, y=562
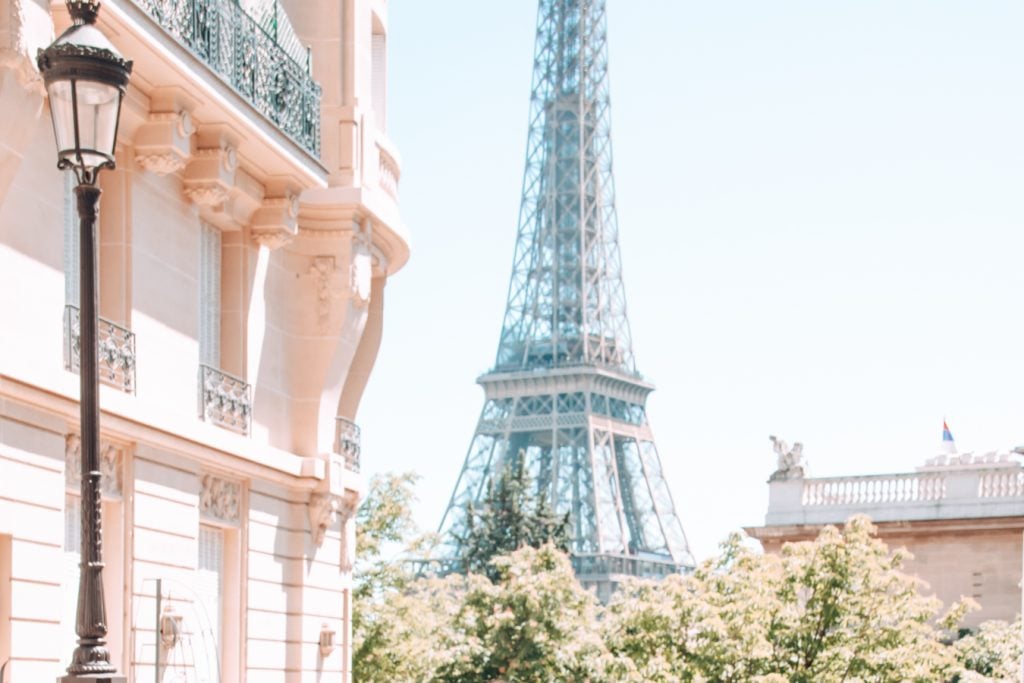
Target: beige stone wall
x=983, y=565
x=307, y=245
x=978, y=559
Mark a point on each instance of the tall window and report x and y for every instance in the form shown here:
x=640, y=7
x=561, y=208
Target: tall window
x=72, y=556
x=5, y=599
x=209, y=296
x=378, y=79
x=71, y=238
x=209, y=588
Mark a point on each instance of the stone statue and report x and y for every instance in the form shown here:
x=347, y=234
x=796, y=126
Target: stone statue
x=790, y=460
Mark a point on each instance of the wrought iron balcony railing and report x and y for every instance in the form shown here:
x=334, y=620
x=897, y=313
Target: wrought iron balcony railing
x=247, y=56
x=115, y=349
x=224, y=400
x=347, y=442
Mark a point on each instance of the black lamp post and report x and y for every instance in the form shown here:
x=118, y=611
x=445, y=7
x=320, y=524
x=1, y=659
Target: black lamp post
x=85, y=80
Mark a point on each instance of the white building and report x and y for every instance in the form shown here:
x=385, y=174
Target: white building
x=960, y=516
x=245, y=240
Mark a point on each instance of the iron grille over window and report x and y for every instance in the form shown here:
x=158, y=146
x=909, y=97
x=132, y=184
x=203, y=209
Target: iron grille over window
x=224, y=400
x=116, y=350
x=347, y=442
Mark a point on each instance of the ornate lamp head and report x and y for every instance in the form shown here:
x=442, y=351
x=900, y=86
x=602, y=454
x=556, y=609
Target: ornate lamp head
x=86, y=79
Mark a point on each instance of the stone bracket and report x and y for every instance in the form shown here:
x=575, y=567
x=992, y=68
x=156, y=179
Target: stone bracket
x=163, y=144
x=275, y=222
x=210, y=176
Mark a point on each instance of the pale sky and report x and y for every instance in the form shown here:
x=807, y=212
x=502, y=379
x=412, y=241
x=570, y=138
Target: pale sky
x=821, y=209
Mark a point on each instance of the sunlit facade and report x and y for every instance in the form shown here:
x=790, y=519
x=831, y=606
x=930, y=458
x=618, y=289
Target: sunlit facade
x=245, y=240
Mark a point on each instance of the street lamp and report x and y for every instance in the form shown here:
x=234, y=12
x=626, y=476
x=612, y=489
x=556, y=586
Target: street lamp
x=85, y=80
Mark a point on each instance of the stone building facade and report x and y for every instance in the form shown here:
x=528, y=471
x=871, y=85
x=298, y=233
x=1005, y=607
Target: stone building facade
x=960, y=516
x=246, y=237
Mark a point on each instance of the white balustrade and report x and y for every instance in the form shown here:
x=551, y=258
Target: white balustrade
x=877, y=489
x=1001, y=484
x=388, y=173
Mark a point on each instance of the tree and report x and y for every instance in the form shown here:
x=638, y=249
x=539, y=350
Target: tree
x=393, y=614
x=512, y=516
x=990, y=655
x=835, y=609
x=533, y=624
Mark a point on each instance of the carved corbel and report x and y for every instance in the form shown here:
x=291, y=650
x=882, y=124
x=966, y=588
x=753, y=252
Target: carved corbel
x=163, y=144
x=275, y=222
x=325, y=509
x=25, y=27
x=210, y=176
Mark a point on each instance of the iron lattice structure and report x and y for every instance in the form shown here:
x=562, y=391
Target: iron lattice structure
x=564, y=393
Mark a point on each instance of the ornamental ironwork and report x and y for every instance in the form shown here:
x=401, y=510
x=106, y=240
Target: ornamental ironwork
x=116, y=350
x=251, y=57
x=347, y=442
x=564, y=397
x=224, y=400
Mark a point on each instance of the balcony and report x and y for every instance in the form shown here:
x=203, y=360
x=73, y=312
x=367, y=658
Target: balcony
x=116, y=350
x=347, y=442
x=261, y=60
x=224, y=400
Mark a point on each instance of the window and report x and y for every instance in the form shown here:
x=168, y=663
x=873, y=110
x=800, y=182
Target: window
x=209, y=585
x=209, y=295
x=72, y=556
x=378, y=79
x=217, y=589
x=5, y=599
x=71, y=239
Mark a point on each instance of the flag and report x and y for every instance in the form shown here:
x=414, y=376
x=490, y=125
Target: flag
x=948, y=445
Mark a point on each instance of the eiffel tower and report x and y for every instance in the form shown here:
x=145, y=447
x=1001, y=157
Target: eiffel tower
x=564, y=392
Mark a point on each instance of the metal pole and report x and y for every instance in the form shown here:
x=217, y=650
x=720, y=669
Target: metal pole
x=158, y=643
x=91, y=656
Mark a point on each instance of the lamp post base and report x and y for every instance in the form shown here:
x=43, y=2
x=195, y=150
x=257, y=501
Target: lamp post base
x=92, y=678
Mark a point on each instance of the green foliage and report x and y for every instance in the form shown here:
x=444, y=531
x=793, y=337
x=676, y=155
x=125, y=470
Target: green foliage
x=990, y=655
x=837, y=609
x=533, y=624
x=511, y=517
x=386, y=597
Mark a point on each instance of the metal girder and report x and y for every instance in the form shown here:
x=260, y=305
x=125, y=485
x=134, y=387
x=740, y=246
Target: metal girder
x=564, y=393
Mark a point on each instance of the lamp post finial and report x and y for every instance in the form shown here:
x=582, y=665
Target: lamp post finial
x=83, y=11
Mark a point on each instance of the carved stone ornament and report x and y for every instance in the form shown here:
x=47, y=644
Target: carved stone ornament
x=790, y=464
x=325, y=510
x=325, y=275
x=111, y=457
x=274, y=223
x=163, y=143
x=361, y=273
x=16, y=56
x=211, y=175
x=220, y=499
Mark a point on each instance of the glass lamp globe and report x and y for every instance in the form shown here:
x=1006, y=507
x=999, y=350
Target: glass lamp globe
x=86, y=79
